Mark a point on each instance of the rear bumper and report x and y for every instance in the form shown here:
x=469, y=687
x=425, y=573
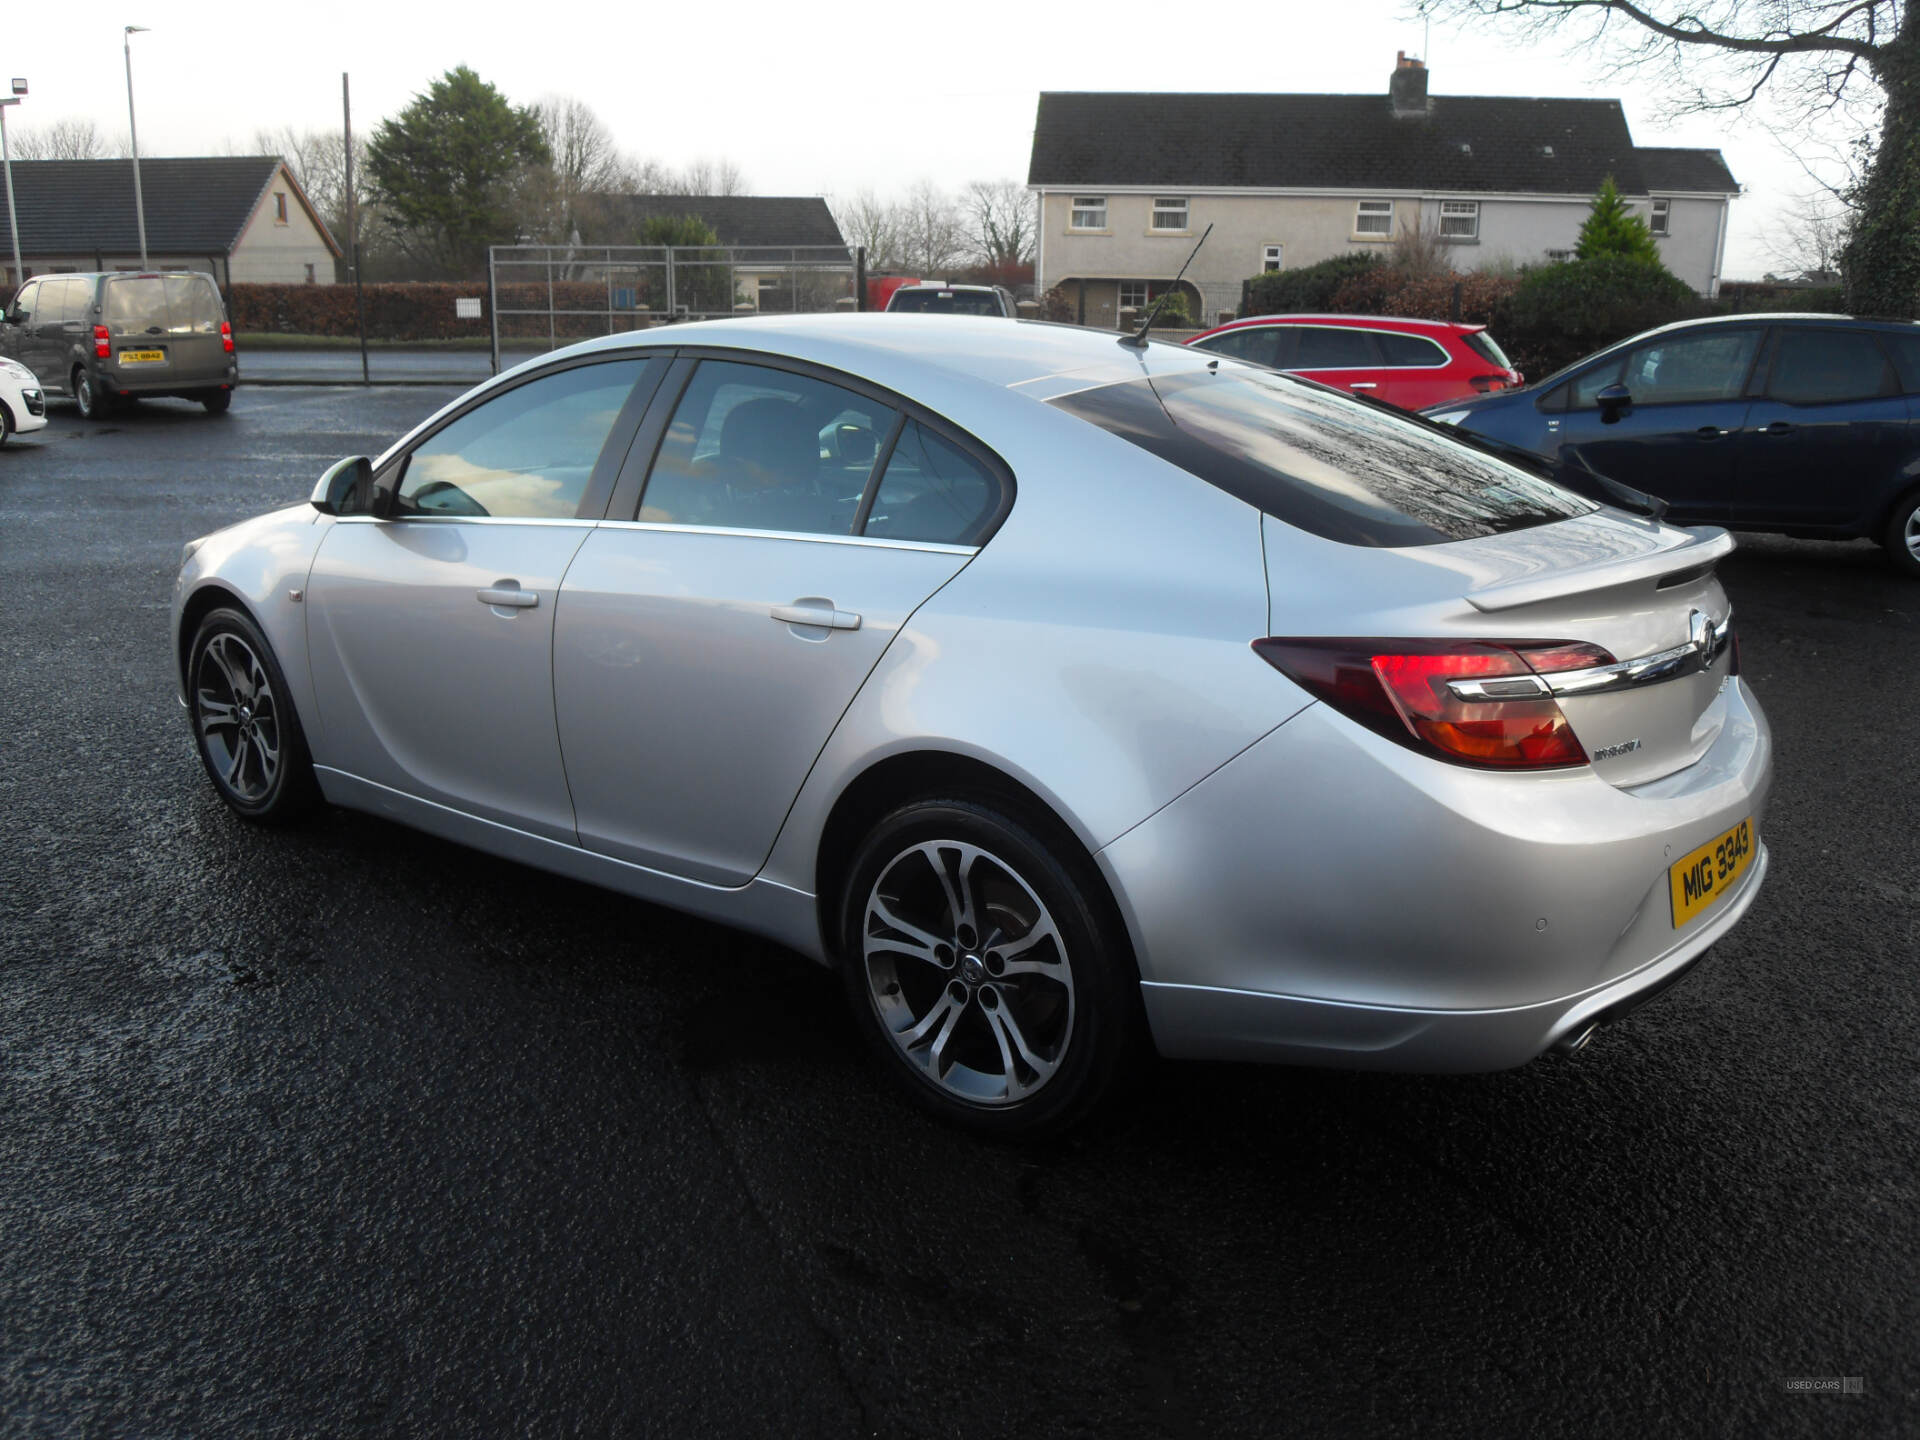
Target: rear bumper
x=119, y=380
x=1331, y=898
x=1202, y=1022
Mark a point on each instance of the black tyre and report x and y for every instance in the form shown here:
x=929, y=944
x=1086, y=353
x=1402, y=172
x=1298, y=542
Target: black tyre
x=1902, y=535
x=86, y=394
x=244, y=725
x=984, y=967
x=6, y=424
x=217, y=401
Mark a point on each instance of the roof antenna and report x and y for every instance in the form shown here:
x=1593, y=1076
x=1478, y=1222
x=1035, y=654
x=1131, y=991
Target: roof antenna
x=1138, y=340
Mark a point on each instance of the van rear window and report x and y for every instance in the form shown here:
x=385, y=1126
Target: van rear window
x=1330, y=465
x=176, y=304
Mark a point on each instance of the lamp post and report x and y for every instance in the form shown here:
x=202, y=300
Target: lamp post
x=6, y=160
x=139, y=205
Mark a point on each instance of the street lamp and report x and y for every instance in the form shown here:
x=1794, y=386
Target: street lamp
x=139, y=205
x=6, y=160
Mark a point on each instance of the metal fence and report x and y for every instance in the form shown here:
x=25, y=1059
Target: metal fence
x=544, y=296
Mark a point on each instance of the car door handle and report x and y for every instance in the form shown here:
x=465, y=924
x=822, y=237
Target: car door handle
x=1778, y=427
x=1711, y=432
x=1364, y=385
x=508, y=595
x=824, y=616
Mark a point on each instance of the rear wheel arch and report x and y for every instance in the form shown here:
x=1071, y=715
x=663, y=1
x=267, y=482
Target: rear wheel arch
x=902, y=779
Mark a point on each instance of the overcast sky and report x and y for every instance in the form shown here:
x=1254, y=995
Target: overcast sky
x=805, y=101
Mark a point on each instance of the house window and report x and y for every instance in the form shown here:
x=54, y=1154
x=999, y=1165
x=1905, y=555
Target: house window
x=279, y=208
x=1459, y=219
x=1169, y=212
x=312, y=279
x=1134, y=293
x=1089, y=213
x=1658, y=224
x=1272, y=257
x=1374, y=217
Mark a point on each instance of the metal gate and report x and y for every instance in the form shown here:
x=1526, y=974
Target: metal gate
x=540, y=297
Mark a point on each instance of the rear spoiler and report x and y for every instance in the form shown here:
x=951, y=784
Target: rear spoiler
x=1705, y=548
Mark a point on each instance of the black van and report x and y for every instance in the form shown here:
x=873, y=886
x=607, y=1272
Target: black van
x=109, y=338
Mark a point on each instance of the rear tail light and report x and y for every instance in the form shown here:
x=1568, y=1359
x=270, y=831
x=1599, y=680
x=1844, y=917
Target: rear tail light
x=102, y=342
x=226, y=337
x=1486, y=383
x=1472, y=703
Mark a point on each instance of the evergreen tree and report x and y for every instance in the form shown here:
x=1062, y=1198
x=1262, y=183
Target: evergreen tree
x=1613, y=229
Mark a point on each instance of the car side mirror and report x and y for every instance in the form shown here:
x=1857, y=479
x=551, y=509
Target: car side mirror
x=1614, y=401
x=346, y=488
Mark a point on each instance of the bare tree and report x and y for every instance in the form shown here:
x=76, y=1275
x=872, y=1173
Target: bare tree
x=866, y=220
x=709, y=177
x=1000, y=221
x=1809, y=236
x=585, y=155
x=1813, y=57
x=74, y=138
x=932, y=236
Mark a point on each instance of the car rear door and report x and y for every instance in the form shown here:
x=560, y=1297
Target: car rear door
x=194, y=314
x=1826, y=435
x=430, y=631
x=1339, y=355
x=1417, y=372
x=708, y=643
x=1678, y=436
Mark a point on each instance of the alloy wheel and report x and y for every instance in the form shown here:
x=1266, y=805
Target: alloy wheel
x=1911, y=533
x=968, y=972
x=237, y=717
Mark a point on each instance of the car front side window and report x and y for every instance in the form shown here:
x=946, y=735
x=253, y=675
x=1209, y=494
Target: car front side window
x=527, y=453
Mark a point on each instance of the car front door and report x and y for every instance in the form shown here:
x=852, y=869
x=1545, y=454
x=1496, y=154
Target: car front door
x=430, y=626
x=708, y=644
x=1677, y=436
x=1825, y=438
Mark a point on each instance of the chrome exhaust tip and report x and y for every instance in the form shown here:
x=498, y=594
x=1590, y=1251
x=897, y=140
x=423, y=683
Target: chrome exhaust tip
x=1574, y=1043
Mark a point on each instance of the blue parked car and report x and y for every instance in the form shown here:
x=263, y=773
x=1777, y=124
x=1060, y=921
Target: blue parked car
x=1807, y=425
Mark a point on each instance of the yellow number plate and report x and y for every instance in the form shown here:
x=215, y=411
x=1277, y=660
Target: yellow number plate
x=1698, y=880
x=143, y=357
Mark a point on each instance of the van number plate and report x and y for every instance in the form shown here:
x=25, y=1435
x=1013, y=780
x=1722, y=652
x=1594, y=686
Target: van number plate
x=143, y=357
x=1696, y=881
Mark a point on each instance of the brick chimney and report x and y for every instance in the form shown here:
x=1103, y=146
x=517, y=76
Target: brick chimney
x=1408, y=87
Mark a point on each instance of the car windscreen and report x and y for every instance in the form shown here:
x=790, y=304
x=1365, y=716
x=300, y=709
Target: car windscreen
x=1487, y=348
x=1324, y=463
x=947, y=302
x=177, y=304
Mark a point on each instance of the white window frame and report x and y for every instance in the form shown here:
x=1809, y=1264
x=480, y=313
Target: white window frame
x=1273, y=257
x=1145, y=288
x=1457, y=211
x=1660, y=216
x=1170, y=207
x=1087, y=205
x=1372, y=210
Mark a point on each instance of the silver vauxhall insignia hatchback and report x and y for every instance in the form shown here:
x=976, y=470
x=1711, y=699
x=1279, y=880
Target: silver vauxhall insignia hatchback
x=1066, y=695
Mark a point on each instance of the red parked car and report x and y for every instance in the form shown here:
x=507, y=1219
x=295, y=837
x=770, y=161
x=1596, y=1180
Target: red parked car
x=1409, y=363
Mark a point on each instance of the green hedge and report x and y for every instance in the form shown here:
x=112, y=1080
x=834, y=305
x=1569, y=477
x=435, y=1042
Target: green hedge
x=1311, y=287
x=421, y=311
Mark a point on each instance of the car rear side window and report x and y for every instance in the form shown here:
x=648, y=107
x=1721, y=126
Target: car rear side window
x=1327, y=347
x=754, y=448
x=1905, y=348
x=1409, y=351
x=524, y=454
x=947, y=302
x=1334, y=467
x=1825, y=367
x=933, y=490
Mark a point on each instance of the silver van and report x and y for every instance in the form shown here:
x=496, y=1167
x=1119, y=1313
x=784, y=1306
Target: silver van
x=106, y=339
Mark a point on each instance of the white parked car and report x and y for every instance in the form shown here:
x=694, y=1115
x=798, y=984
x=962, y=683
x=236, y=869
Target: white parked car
x=23, y=404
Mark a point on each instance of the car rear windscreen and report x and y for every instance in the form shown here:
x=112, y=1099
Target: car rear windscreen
x=947, y=302
x=175, y=304
x=1330, y=465
x=1487, y=348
